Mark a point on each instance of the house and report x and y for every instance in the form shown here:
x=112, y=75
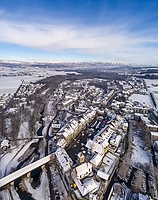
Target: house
x=125, y=126
x=154, y=135
x=108, y=166
x=68, y=134
x=89, y=186
x=5, y=145
x=81, y=157
x=96, y=160
x=107, y=134
x=84, y=184
x=152, y=127
x=95, y=147
x=147, y=122
x=65, y=162
x=83, y=170
x=62, y=143
x=75, y=127
x=115, y=140
x=103, y=142
x=56, y=124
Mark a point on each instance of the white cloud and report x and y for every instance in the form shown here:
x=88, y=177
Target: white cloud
x=50, y=37
x=104, y=40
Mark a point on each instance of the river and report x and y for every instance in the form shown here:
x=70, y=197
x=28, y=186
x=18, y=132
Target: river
x=35, y=174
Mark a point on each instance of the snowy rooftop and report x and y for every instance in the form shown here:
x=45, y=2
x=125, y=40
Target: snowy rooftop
x=95, y=147
x=64, y=160
x=62, y=143
x=154, y=133
x=103, y=175
x=4, y=143
x=143, y=99
x=96, y=160
x=83, y=169
x=107, y=166
x=89, y=186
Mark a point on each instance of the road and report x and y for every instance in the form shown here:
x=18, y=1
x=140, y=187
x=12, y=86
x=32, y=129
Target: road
x=48, y=137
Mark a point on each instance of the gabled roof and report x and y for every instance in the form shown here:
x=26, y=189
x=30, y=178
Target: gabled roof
x=83, y=168
x=103, y=175
x=95, y=146
x=96, y=160
x=62, y=143
x=87, y=187
x=64, y=160
x=4, y=143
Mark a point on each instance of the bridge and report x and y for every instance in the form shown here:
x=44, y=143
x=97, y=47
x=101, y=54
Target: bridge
x=17, y=174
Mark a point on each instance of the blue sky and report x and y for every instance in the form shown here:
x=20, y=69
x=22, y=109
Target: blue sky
x=79, y=30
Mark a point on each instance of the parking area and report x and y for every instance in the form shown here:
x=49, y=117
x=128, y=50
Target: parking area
x=88, y=133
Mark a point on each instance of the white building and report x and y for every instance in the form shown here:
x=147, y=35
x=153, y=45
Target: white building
x=115, y=141
x=96, y=160
x=84, y=183
x=75, y=127
x=65, y=162
x=5, y=145
x=108, y=166
x=95, y=147
x=61, y=143
x=83, y=170
x=89, y=186
x=56, y=124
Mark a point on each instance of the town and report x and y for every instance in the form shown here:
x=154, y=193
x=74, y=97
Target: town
x=100, y=137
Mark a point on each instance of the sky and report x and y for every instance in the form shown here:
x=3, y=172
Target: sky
x=80, y=30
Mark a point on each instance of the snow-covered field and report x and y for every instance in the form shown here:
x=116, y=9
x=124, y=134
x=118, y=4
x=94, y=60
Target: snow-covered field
x=9, y=84
x=151, y=83
x=143, y=99
x=139, y=155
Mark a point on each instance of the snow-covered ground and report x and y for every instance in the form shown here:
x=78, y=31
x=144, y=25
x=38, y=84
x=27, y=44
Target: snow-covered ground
x=151, y=84
x=41, y=192
x=143, y=99
x=139, y=155
x=9, y=161
x=5, y=194
x=9, y=84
